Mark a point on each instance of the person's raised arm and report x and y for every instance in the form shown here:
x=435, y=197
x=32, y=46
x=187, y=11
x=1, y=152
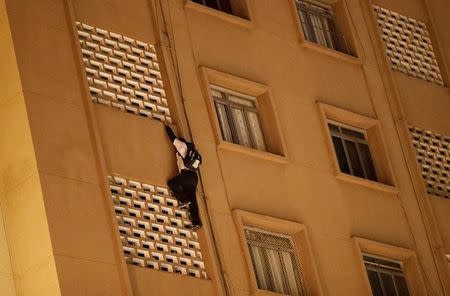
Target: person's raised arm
x=170, y=133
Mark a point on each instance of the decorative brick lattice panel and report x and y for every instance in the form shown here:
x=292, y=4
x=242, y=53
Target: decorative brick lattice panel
x=433, y=154
x=408, y=45
x=153, y=230
x=123, y=73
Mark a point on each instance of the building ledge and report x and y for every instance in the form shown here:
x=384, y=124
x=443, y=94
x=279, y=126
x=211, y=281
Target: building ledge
x=331, y=52
x=226, y=146
x=367, y=183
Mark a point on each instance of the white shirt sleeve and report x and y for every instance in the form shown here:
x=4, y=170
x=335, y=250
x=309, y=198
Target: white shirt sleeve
x=181, y=147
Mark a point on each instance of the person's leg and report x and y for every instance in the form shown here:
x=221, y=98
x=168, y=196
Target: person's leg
x=176, y=186
x=193, y=209
x=190, y=190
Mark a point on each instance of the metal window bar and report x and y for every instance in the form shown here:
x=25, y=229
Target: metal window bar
x=225, y=103
x=318, y=24
x=222, y=5
x=275, y=262
x=348, y=135
x=386, y=276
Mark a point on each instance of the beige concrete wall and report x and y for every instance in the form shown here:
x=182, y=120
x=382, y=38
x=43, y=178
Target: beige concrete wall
x=304, y=189
x=71, y=145
x=84, y=246
x=6, y=274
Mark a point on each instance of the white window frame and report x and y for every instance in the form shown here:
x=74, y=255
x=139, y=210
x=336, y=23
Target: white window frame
x=385, y=269
x=230, y=120
x=274, y=281
x=342, y=136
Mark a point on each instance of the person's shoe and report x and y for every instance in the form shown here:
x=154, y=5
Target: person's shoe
x=182, y=205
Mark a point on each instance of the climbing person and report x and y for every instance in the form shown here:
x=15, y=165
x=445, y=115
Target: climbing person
x=184, y=185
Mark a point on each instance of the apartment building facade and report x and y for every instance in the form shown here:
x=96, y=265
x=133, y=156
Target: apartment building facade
x=323, y=127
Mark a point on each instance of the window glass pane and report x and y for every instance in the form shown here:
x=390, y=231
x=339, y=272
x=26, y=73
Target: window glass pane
x=241, y=127
x=318, y=29
x=388, y=284
x=276, y=270
x=354, y=159
x=225, y=6
x=259, y=266
x=353, y=133
x=255, y=128
x=305, y=26
x=223, y=122
x=327, y=24
x=366, y=159
x=216, y=93
x=333, y=128
x=340, y=154
x=291, y=275
x=241, y=101
x=212, y=3
x=402, y=287
x=374, y=283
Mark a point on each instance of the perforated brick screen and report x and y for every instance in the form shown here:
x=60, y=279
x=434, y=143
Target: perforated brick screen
x=153, y=230
x=123, y=73
x=433, y=154
x=408, y=45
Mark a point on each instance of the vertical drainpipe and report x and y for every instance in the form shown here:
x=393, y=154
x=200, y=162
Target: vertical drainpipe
x=164, y=40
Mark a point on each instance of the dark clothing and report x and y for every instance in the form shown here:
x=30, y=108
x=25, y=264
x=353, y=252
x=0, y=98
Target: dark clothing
x=184, y=187
x=170, y=134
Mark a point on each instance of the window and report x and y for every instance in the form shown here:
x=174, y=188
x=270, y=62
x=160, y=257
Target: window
x=243, y=116
x=356, y=148
x=238, y=118
x=386, y=276
x=390, y=270
x=274, y=261
x=318, y=24
x=352, y=151
x=222, y=5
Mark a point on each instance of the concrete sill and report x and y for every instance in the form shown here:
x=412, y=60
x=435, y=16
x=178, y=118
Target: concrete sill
x=252, y=152
x=367, y=183
x=229, y=18
x=330, y=52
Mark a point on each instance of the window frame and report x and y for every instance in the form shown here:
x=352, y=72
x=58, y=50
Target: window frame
x=302, y=247
x=387, y=270
x=385, y=178
x=407, y=257
x=314, y=7
x=364, y=141
x=299, y=281
x=341, y=18
x=232, y=124
x=275, y=146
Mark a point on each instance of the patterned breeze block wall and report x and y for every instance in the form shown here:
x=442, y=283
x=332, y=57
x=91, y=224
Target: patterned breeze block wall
x=408, y=45
x=123, y=73
x=153, y=230
x=433, y=154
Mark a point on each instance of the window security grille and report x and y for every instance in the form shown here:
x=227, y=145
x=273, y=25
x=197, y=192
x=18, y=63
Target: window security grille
x=408, y=45
x=123, y=73
x=352, y=151
x=222, y=5
x=238, y=118
x=318, y=25
x=153, y=229
x=386, y=276
x=433, y=155
x=275, y=262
